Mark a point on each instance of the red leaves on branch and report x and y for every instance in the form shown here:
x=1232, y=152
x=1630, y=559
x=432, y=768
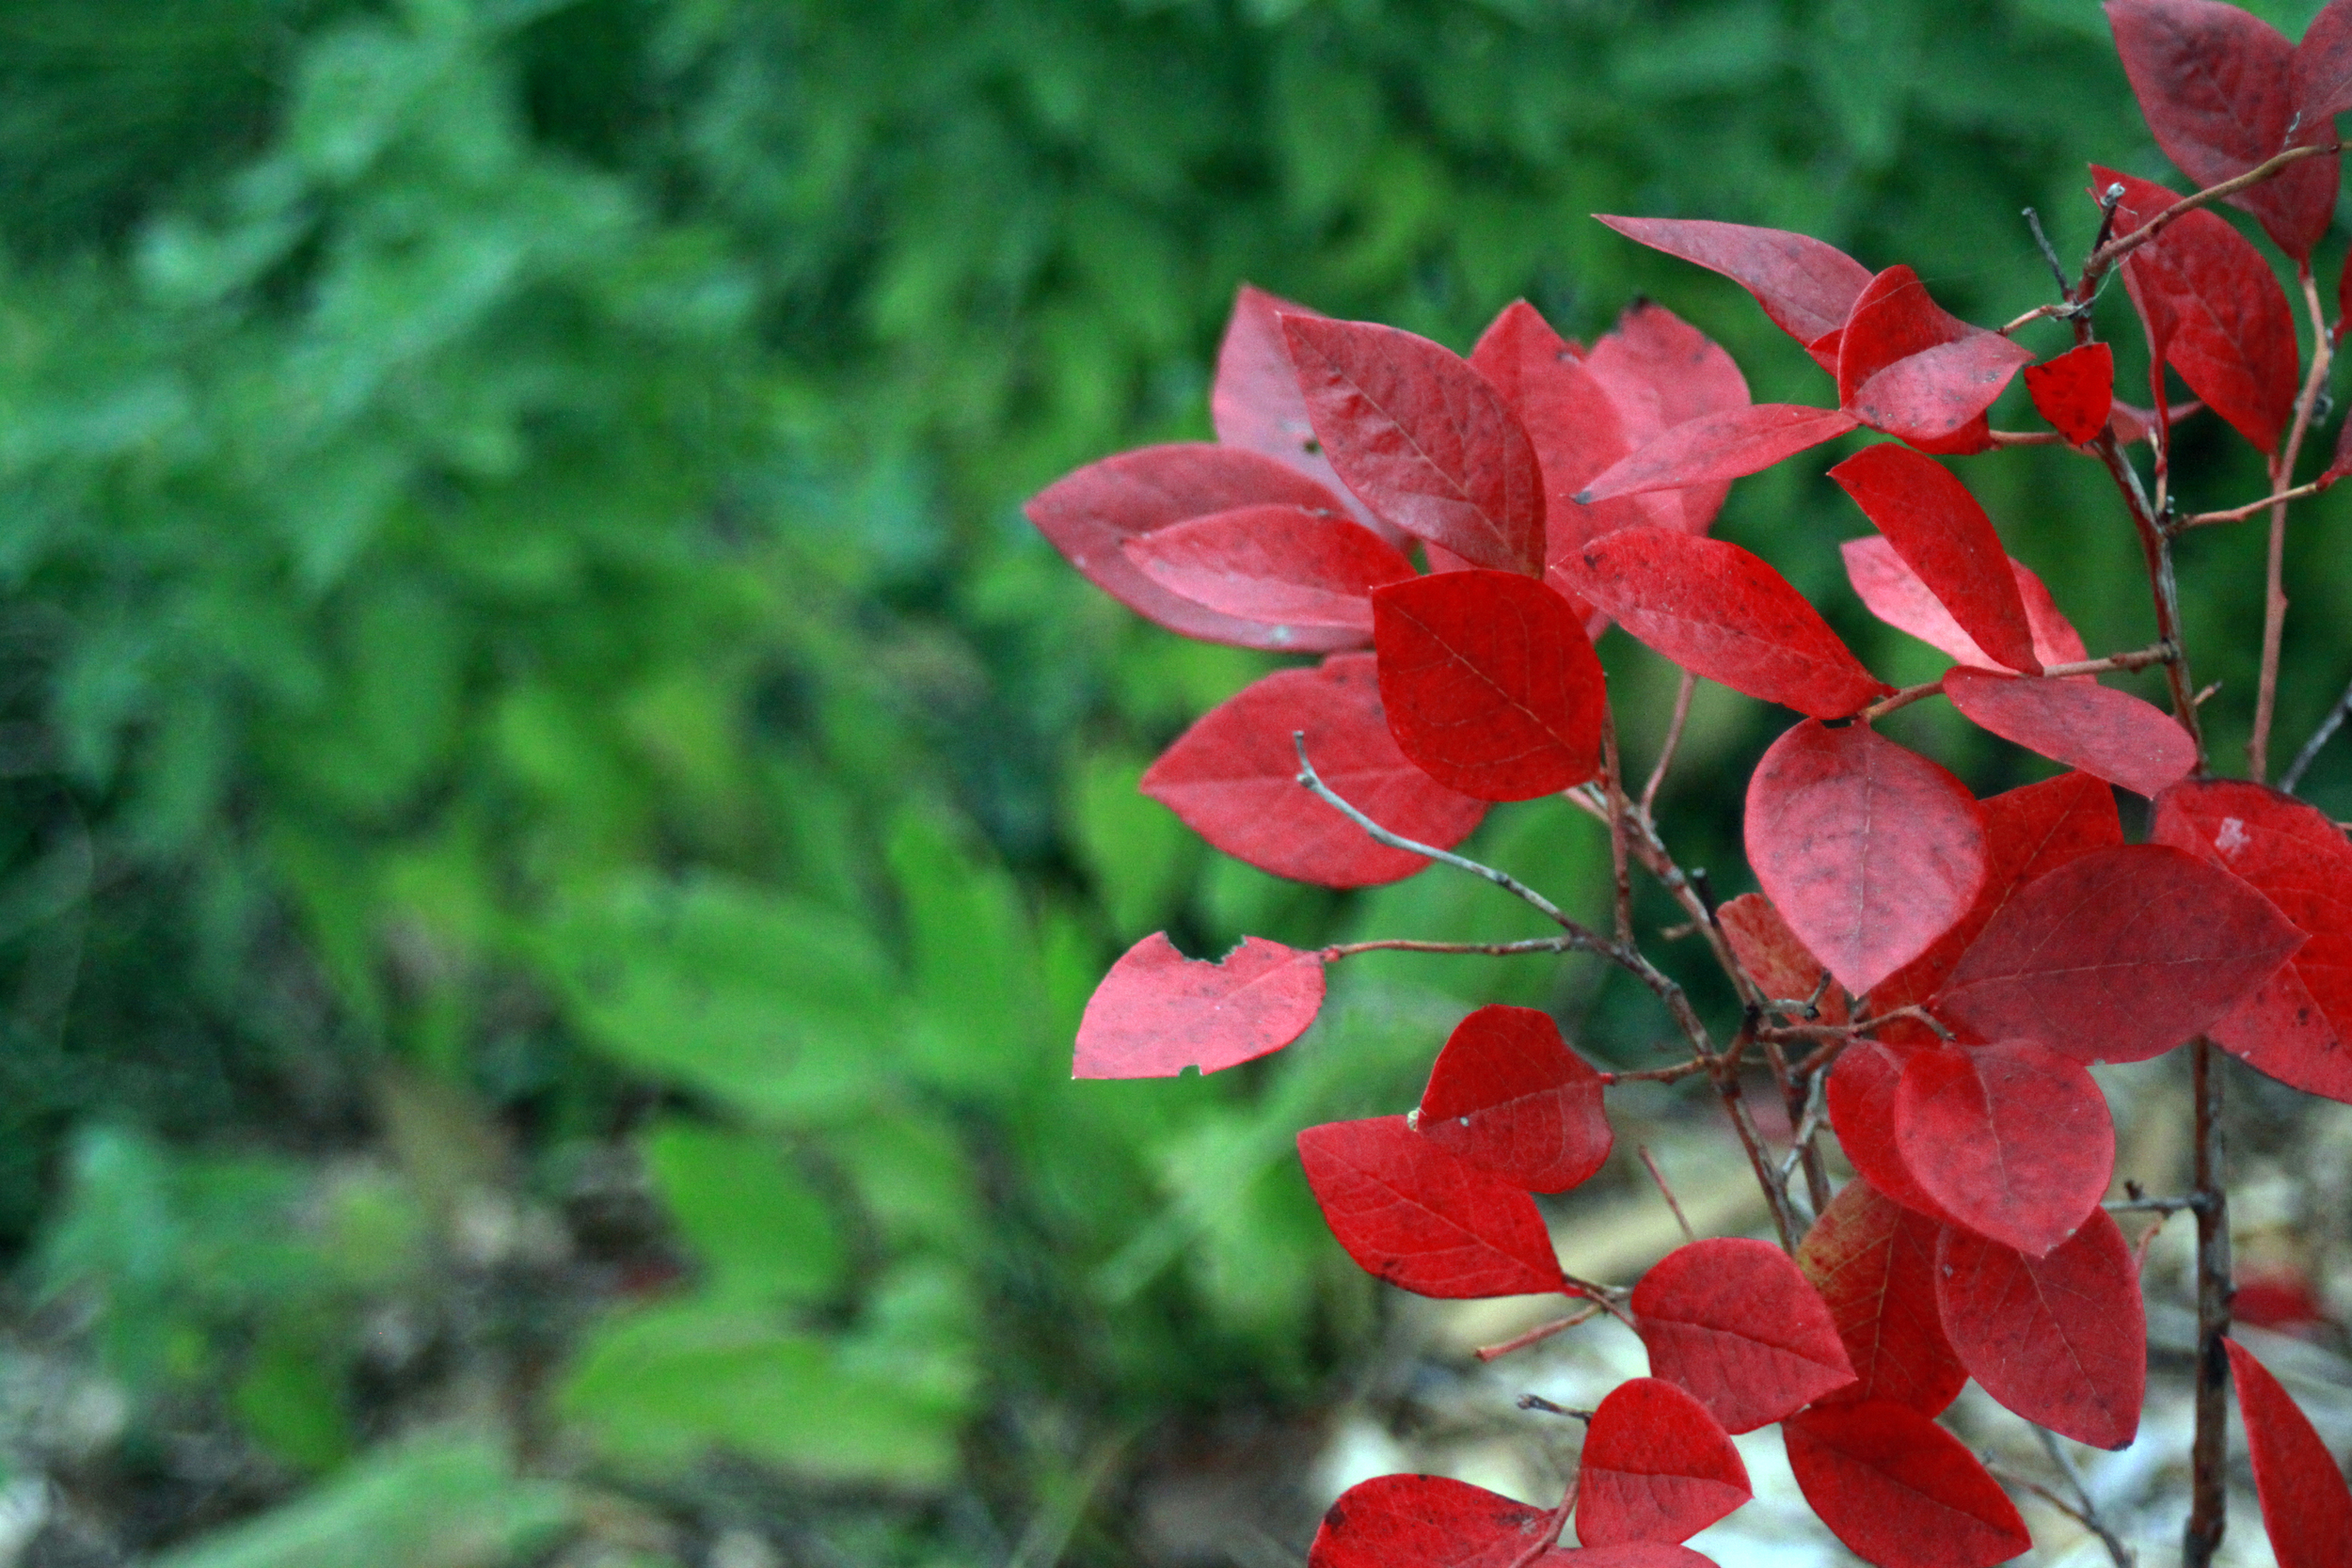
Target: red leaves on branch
x=2076, y=391
x=2110, y=735
x=1807, y=287
x=1422, y=1219
x=2062, y=1340
x=1946, y=540
x=1656, y=1467
x=1738, y=1325
x=1910, y=367
x=1900, y=1490
x=1718, y=447
x=2307, y=1510
x=1426, y=1522
x=2013, y=1140
x=1489, y=682
x=1508, y=1096
x=1869, y=851
x=1773, y=957
x=1158, y=1012
x=1234, y=778
x=1892, y=591
x=1873, y=1260
x=1282, y=564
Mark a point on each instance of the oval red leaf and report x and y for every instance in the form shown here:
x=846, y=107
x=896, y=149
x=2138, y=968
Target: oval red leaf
x=1735, y=1324
x=2307, y=1508
x=1892, y=591
x=1807, y=287
x=1714, y=449
x=1656, y=1467
x=1412, y=1215
x=1425, y=1522
x=1255, y=403
x=1907, y=366
x=1508, y=1096
x=1282, y=564
x=1873, y=1260
x=1773, y=957
x=2107, y=734
x=1158, y=1012
x=2060, y=1339
x=2011, y=1141
x=1900, y=1490
x=1946, y=540
x=1861, y=1102
x=2076, y=391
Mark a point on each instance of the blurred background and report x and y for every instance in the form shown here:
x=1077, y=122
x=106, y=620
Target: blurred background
x=558, y=820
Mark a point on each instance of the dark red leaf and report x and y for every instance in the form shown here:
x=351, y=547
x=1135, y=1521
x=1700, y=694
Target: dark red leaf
x=1773, y=957
x=1412, y=1215
x=1282, y=564
x=1489, y=682
x=1892, y=591
x=2280, y=1298
x=1234, y=778
x=2307, y=1508
x=1158, y=1012
x=1861, y=1102
x=2011, y=1141
x=2062, y=1339
x=1910, y=367
x=1869, y=851
x=1719, y=447
x=1660, y=372
x=1508, y=1096
x=1808, y=288
x=1719, y=612
x=1949, y=542
x=1873, y=1260
x=2118, y=956
x=1255, y=403
x=2110, y=735
x=1735, y=1324
x=1900, y=1490
x=2320, y=75
x=1425, y=1522
x=2076, y=391
x=1089, y=515
x=2296, y=1027
x=1656, y=1467
x=1422, y=439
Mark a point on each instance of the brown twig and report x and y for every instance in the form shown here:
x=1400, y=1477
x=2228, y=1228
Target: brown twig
x=2111, y=252
x=1538, y=1334
x=2137, y=659
x=2209, y=1498
x=2239, y=514
x=2163, y=585
x=1666, y=1191
x=1488, y=949
x=1613, y=778
x=2274, y=585
x=1673, y=742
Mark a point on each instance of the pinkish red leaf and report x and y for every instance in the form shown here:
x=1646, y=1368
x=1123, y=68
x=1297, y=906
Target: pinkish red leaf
x=1660, y=372
x=1508, y=1096
x=1869, y=851
x=1234, y=778
x=1715, y=448
x=1873, y=1260
x=2118, y=956
x=1861, y=1100
x=1423, y=1220
x=2062, y=1340
x=1912, y=369
x=2110, y=735
x=1892, y=591
x=1425, y=1522
x=1773, y=957
x=1255, y=403
x=1735, y=1324
x=1656, y=1467
x=1900, y=1490
x=2307, y=1508
x=1949, y=542
x=1422, y=439
x=1280, y=565
x=1489, y=682
x=2320, y=75
x=1158, y=1012
x=1808, y=288
x=2076, y=391
x=2011, y=1141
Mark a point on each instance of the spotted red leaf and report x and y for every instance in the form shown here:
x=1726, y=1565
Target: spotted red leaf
x=1949, y=542
x=1233, y=778
x=1773, y=957
x=2118, y=956
x=1912, y=369
x=1900, y=1490
x=1426, y=1522
x=1255, y=403
x=2076, y=391
x=2107, y=734
x=1489, y=682
x=2060, y=1339
x=1508, y=1096
x=1656, y=1467
x=1422, y=1219
x=1892, y=591
x=2307, y=1508
x=1717, y=448
x=2320, y=76
x=1808, y=288
x=1660, y=372
x=1737, y=1325
x=1280, y=565
x=2011, y=1141
x=1158, y=1012
x=1861, y=1102
x=1873, y=1260
x=1869, y=851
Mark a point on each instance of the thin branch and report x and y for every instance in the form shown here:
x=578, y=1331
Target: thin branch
x=2190, y=1204
x=2117, y=1550
x=2239, y=514
x=1667, y=1192
x=1673, y=742
x=1674, y=1074
x=2209, y=1492
x=2163, y=585
x=1486, y=949
x=2025, y=439
x=2320, y=736
x=2049, y=252
x=2274, y=587
x=1612, y=775
x=2137, y=659
x=1538, y=1334
x=1537, y=1401
x=1816, y=1105
x=2108, y=251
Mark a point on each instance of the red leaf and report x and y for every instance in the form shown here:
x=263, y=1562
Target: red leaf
x=1773, y=957
x=2132, y=422
x=1255, y=403
x=1900, y=1490
x=1735, y=1324
x=1869, y=851
x=2321, y=73
x=1425, y=1522
x=1808, y=288
x=1892, y=591
x=1282, y=564
x=2295, y=1028
x=1944, y=536
x=2307, y=1508
x=2110, y=735
x=1090, y=513
x=2062, y=1340
x=1158, y=1012
x=1861, y=1101
x=2011, y=1141
x=2076, y=391
x=1234, y=778
x=2216, y=86
x=1873, y=1260
x=2118, y=956
x=1719, y=612
x=1656, y=1467
x=1412, y=1215
x=1908, y=367
x=1508, y=1096
x=1660, y=372
x=1422, y=439
x=1719, y=447
x=1489, y=682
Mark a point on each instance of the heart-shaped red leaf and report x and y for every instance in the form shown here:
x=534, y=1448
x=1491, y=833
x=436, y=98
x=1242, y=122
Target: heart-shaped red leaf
x=1280, y=565
x=1861, y=1102
x=2076, y=391
x=1735, y=1324
x=1656, y=1467
x=1773, y=957
x=2307, y=1508
x=1660, y=372
x=1892, y=591
x=1869, y=851
x=1873, y=1260
x=1907, y=366
x=1158, y=1012
x=1808, y=288
x=1714, y=449
x=1421, y=1218
x=1508, y=1096
x=1944, y=537
x=2011, y=1140
x=1489, y=682
x=2062, y=1340
x=1900, y=1490
x=1425, y=1522
x=2107, y=734
x=1255, y=403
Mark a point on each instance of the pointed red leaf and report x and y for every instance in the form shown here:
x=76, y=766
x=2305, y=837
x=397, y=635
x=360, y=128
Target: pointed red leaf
x=1719, y=612
x=1425, y=1522
x=1656, y=1467
x=2110, y=735
x=1892, y=591
x=2076, y=391
x=1869, y=851
x=1489, y=682
x=1900, y=1490
x=1158, y=1012
x=1660, y=372
x=1908, y=367
x=1090, y=513
x=2307, y=1508
x=1735, y=1324
x=2062, y=1339
x=1255, y=403
x=1873, y=1260
x=1946, y=540
x=1861, y=1101
x=2320, y=76
x=1282, y=564
x=1715, y=448
x=1422, y=438
x=2011, y=1141
x=1808, y=288
x=1508, y=1096
x=2297, y=1027
x=1234, y=778
x=1773, y=957
x=2118, y=956
x=1412, y=1215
